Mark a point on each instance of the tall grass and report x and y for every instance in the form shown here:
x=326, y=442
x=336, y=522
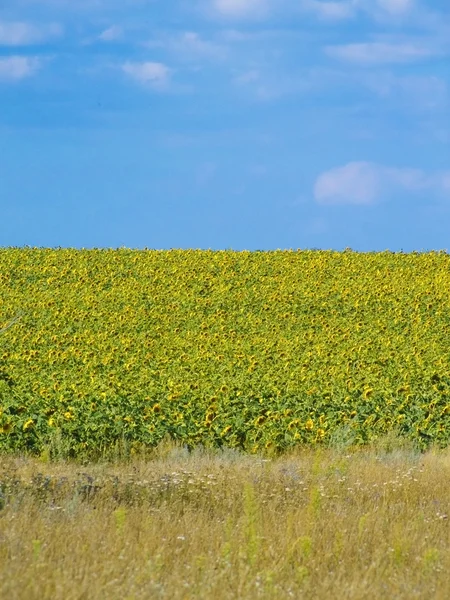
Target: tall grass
x=315, y=524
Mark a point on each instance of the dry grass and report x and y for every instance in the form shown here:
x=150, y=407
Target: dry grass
x=317, y=524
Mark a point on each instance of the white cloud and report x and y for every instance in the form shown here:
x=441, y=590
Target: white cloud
x=111, y=34
x=324, y=9
x=264, y=87
x=273, y=83
x=240, y=8
x=332, y=11
x=268, y=87
x=363, y=183
x=154, y=74
x=396, y=7
x=389, y=12
x=419, y=92
x=412, y=180
x=355, y=183
x=80, y=5
x=190, y=46
x=15, y=68
x=18, y=33
x=374, y=53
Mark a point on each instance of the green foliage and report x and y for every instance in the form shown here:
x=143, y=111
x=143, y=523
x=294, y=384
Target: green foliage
x=260, y=351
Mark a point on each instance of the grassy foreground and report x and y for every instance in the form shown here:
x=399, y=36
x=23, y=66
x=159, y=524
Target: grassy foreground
x=318, y=523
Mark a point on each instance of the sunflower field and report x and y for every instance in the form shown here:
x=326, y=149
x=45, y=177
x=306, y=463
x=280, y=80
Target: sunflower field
x=255, y=350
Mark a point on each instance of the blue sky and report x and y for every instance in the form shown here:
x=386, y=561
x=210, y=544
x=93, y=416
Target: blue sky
x=243, y=124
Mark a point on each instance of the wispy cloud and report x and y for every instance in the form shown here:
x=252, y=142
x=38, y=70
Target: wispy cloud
x=343, y=9
x=259, y=85
x=330, y=11
x=19, y=33
x=189, y=46
x=15, y=68
x=386, y=11
x=79, y=5
x=355, y=183
x=418, y=92
x=190, y=43
x=396, y=7
x=111, y=34
x=272, y=84
x=153, y=74
x=239, y=8
x=363, y=183
x=375, y=53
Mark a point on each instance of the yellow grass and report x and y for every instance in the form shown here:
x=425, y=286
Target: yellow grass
x=314, y=524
